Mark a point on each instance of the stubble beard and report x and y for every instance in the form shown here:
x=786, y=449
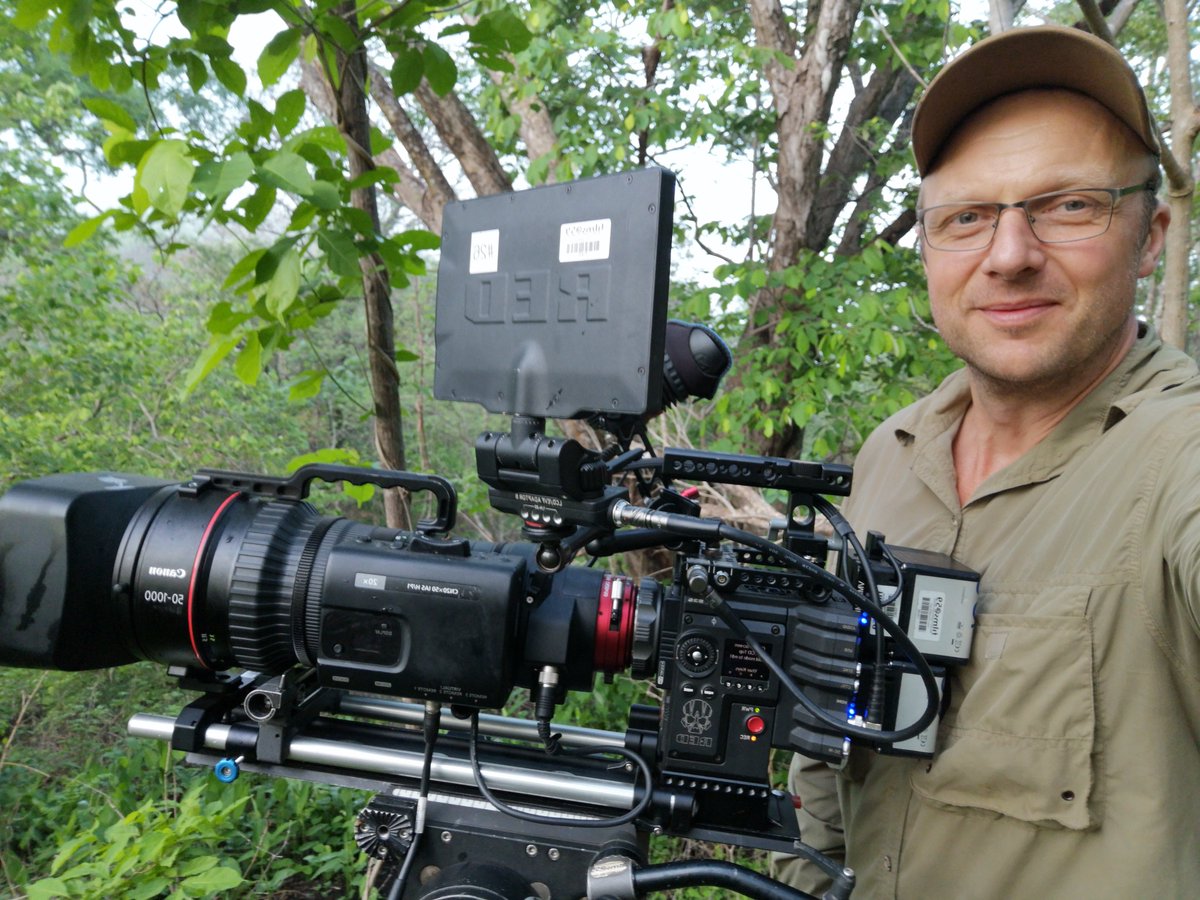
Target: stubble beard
x=1067, y=364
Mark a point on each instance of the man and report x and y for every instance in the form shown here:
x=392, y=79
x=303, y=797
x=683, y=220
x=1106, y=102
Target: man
x=1063, y=464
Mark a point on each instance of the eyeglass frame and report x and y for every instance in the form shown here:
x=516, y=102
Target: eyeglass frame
x=1023, y=205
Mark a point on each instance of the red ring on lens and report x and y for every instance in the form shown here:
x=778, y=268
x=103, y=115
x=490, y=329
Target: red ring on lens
x=614, y=624
x=212, y=523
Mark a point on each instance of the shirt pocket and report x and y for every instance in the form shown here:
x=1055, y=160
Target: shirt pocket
x=1018, y=739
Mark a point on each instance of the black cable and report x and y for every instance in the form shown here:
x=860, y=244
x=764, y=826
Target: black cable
x=711, y=530
x=398, y=885
x=851, y=595
x=609, y=822
x=430, y=725
x=850, y=539
x=713, y=873
x=633, y=459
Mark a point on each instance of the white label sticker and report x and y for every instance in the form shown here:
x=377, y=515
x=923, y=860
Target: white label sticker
x=930, y=607
x=485, y=252
x=583, y=241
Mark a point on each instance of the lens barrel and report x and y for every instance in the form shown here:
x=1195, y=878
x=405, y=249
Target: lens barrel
x=215, y=579
x=101, y=570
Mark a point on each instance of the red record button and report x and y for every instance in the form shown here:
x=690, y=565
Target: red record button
x=756, y=725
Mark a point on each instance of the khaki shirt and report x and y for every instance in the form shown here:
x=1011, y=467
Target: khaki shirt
x=1068, y=763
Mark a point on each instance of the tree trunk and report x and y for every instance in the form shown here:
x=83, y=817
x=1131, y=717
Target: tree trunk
x=803, y=97
x=1181, y=185
x=355, y=125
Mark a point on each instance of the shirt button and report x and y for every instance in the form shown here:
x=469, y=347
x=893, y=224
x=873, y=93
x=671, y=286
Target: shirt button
x=887, y=863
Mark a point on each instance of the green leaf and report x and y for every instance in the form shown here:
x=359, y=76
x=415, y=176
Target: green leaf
x=379, y=141
x=163, y=178
x=284, y=285
x=501, y=30
x=213, y=881
x=308, y=385
x=122, y=146
x=341, y=456
x=120, y=77
x=197, y=865
x=264, y=269
x=197, y=72
x=249, y=364
x=323, y=137
x=229, y=74
x=242, y=268
x=214, y=45
x=260, y=123
x=418, y=239
x=288, y=171
x=147, y=889
x=219, y=177
x=379, y=175
x=288, y=110
x=85, y=229
x=208, y=360
x=407, y=71
x=405, y=355
x=440, y=69
x=325, y=195
x=48, y=888
x=337, y=31
x=111, y=111
x=30, y=13
x=359, y=493
x=223, y=318
x=340, y=252
x=257, y=207
x=278, y=55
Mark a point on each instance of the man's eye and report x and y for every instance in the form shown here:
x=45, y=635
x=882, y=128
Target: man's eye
x=965, y=217
x=1073, y=205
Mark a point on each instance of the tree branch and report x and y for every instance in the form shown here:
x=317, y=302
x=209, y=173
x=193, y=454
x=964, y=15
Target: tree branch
x=885, y=97
x=414, y=143
x=458, y=129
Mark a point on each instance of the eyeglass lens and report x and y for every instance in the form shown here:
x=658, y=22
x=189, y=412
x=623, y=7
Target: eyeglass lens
x=1055, y=218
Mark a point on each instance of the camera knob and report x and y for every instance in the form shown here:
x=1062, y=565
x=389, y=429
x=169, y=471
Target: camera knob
x=697, y=580
x=697, y=655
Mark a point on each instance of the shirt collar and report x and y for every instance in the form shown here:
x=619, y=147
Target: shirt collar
x=928, y=428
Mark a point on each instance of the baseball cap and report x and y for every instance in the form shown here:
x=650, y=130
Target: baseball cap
x=1039, y=57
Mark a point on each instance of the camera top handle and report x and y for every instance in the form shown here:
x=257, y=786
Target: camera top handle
x=297, y=485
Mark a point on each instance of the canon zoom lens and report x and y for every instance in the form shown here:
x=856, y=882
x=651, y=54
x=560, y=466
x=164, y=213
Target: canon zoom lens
x=215, y=579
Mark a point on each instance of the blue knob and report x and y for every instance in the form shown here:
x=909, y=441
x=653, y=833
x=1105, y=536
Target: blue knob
x=227, y=770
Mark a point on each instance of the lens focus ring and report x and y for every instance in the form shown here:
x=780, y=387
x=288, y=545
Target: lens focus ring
x=262, y=585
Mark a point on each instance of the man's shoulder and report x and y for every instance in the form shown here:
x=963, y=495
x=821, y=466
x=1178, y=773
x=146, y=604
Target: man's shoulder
x=927, y=413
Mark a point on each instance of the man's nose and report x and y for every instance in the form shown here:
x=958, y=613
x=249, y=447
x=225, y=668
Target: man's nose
x=1014, y=248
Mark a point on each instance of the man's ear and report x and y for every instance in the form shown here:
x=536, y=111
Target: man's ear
x=1156, y=237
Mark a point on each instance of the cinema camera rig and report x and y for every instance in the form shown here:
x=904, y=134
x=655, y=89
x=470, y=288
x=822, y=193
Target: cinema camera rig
x=301, y=633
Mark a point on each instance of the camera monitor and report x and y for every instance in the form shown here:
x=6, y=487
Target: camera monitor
x=551, y=302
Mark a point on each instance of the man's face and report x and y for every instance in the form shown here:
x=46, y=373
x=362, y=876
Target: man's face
x=1020, y=313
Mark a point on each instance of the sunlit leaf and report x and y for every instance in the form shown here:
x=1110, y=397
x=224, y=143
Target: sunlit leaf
x=280, y=52
x=163, y=178
x=219, y=177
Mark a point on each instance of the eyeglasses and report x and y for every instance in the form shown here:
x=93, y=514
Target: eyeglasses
x=1055, y=218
